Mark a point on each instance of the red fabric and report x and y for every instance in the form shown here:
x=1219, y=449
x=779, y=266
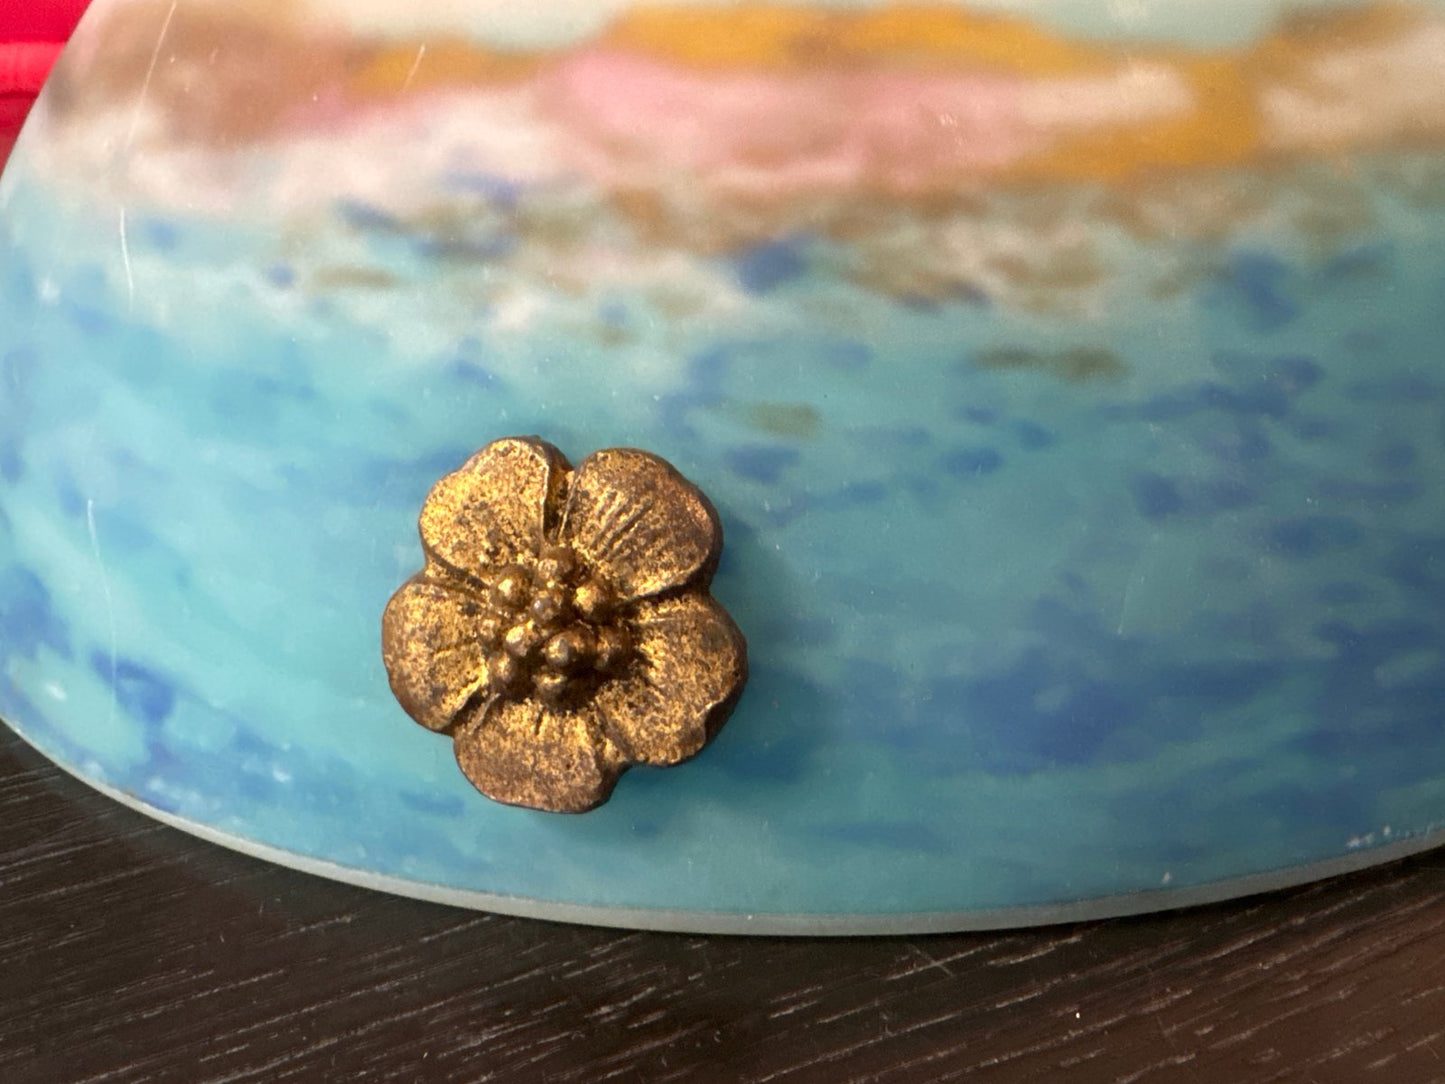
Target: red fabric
x=12, y=115
x=31, y=34
x=24, y=66
x=39, y=20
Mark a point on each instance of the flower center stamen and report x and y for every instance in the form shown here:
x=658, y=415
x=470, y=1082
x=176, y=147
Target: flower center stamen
x=556, y=565
x=571, y=650
x=521, y=640
x=513, y=588
x=551, y=607
x=593, y=601
x=556, y=633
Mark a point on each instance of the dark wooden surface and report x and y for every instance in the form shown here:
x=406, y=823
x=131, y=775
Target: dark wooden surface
x=129, y=951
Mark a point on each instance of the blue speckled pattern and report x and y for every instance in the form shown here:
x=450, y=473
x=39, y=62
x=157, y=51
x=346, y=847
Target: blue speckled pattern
x=1043, y=604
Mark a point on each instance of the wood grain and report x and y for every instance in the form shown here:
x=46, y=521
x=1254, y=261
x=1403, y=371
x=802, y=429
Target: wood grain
x=132, y=952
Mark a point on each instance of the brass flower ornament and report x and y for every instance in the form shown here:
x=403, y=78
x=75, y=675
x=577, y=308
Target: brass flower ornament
x=562, y=628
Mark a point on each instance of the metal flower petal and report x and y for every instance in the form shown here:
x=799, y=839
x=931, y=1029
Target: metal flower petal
x=691, y=664
x=434, y=639
x=640, y=523
x=523, y=753
x=493, y=511
x=562, y=629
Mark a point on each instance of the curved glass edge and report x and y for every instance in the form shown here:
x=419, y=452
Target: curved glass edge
x=781, y=924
